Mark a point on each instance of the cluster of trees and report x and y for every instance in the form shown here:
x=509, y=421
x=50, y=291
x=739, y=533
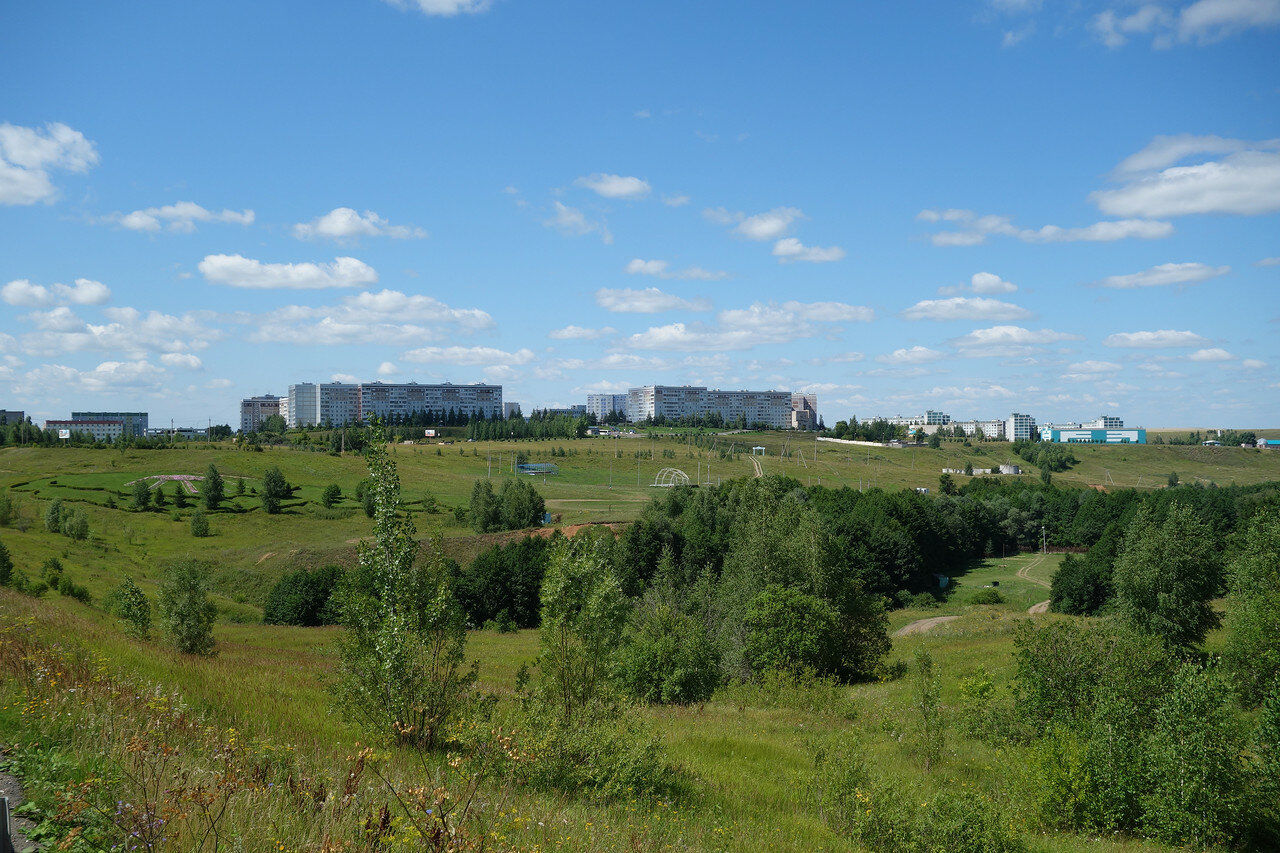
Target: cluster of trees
x=59, y=518
x=539, y=427
x=515, y=506
x=1046, y=456
x=1229, y=437
x=1121, y=528
x=27, y=433
x=877, y=430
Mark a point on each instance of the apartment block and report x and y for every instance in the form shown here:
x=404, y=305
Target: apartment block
x=339, y=403
x=804, y=411
x=674, y=402
x=101, y=429
x=11, y=416
x=255, y=410
x=135, y=423
x=1019, y=427
x=603, y=405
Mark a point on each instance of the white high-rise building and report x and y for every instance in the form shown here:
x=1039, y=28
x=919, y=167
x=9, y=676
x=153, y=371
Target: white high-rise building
x=1019, y=427
x=255, y=410
x=603, y=405
x=674, y=402
x=338, y=403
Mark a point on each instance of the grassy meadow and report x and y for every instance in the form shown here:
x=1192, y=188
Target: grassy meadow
x=749, y=753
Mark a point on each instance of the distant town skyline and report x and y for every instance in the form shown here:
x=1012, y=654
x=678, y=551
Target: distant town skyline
x=981, y=207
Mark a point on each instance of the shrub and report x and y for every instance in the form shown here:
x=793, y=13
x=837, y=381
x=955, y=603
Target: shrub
x=506, y=579
x=331, y=495
x=927, y=698
x=401, y=659
x=71, y=589
x=303, y=598
x=922, y=601
x=6, y=566
x=131, y=605
x=53, y=516
x=186, y=612
x=791, y=630
x=986, y=596
x=141, y=496
x=199, y=524
x=274, y=490
x=9, y=508
x=667, y=656
x=76, y=525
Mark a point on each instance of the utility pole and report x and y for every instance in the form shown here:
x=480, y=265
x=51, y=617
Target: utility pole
x=1043, y=548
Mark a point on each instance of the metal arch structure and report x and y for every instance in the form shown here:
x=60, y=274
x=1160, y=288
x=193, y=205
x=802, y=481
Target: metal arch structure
x=668, y=477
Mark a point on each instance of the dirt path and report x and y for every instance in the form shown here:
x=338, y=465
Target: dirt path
x=756, y=462
x=921, y=626
x=11, y=788
x=1042, y=607
x=1023, y=572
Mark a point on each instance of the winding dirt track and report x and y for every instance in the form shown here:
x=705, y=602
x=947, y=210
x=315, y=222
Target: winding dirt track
x=1024, y=573
x=921, y=626
x=756, y=463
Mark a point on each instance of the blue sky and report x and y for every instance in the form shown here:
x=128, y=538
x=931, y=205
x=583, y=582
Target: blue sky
x=1058, y=208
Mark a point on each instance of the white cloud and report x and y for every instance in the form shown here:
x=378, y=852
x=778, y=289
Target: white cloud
x=181, y=217
x=615, y=186
x=662, y=269
x=85, y=291
x=1002, y=340
x=28, y=154
x=1214, y=354
x=745, y=328
x=1113, y=29
x=829, y=312
x=1245, y=181
x=442, y=8
x=574, y=223
x=986, y=282
x=382, y=317
x=1159, y=339
x=239, y=271
x=769, y=225
x=1268, y=262
x=965, y=308
x=910, y=355
x=1082, y=367
x=791, y=249
x=469, y=356
x=1165, y=274
x=388, y=368
x=603, y=386
x=184, y=360
x=675, y=200
x=1211, y=20
x=128, y=330
x=650, y=300
x=113, y=376
x=579, y=333
x=849, y=357
x=343, y=223
x=975, y=229
x=1253, y=364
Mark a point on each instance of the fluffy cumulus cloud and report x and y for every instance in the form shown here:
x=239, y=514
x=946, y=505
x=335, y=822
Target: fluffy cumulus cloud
x=1164, y=275
x=745, y=328
x=180, y=217
x=910, y=355
x=1199, y=22
x=1158, y=182
x=126, y=330
x=28, y=155
x=184, y=360
x=966, y=228
x=649, y=300
x=580, y=333
x=1211, y=355
x=769, y=225
x=965, y=308
x=114, y=376
x=469, y=356
x=1005, y=340
x=615, y=186
x=343, y=224
x=388, y=368
x=442, y=8
x=1158, y=339
x=572, y=222
x=1253, y=364
x=662, y=269
x=239, y=271
x=382, y=317
x=84, y=291
x=790, y=249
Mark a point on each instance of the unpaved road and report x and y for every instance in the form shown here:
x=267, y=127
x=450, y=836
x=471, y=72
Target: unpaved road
x=921, y=626
x=1023, y=572
x=1042, y=607
x=11, y=788
x=756, y=463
